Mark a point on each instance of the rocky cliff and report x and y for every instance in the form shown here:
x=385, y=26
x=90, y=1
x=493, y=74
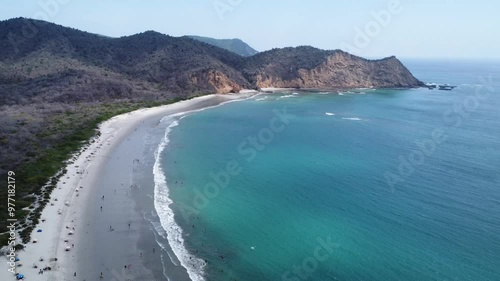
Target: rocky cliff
x=307, y=67
x=58, y=83
x=61, y=64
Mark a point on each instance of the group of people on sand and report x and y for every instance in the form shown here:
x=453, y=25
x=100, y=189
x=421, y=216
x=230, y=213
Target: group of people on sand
x=42, y=270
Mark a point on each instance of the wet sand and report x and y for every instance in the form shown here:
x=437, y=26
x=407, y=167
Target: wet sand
x=124, y=239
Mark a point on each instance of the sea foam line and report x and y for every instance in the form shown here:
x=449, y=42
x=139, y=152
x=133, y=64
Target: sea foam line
x=352, y=118
x=287, y=96
x=193, y=265
x=162, y=201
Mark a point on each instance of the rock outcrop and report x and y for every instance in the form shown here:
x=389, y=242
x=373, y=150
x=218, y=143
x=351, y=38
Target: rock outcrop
x=217, y=80
x=60, y=64
x=284, y=68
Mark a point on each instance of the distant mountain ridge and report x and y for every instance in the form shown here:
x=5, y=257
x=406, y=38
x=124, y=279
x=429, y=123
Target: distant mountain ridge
x=58, y=83
x=236, y=46
x=152, y=65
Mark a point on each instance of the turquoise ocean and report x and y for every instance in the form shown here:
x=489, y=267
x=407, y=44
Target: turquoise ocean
x=366, y=184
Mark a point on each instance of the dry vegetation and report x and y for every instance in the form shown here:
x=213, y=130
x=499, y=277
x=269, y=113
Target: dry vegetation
x=58, y=83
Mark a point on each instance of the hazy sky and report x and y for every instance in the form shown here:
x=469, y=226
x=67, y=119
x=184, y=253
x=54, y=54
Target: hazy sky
x=371, y=28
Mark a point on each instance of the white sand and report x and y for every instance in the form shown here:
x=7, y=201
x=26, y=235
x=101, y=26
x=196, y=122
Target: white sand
x=80, y=173
x=277, y=89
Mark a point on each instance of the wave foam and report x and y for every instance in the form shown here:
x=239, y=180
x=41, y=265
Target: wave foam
x=287, y=96
x=352, y=118
x=193, y=265
x=329, y=113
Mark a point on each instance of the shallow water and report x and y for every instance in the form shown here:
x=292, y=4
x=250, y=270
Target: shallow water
x=368, y=185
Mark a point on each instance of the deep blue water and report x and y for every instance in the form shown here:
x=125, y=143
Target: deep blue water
x=368, y=185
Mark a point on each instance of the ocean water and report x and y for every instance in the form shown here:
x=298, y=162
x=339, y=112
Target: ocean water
x=369, y=184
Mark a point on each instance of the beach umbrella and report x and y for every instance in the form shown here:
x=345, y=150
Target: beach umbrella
x=16, y=259
x=39, y=230
x=70, y=233
x=68, y=248
x=35, y=240
x=20, y=276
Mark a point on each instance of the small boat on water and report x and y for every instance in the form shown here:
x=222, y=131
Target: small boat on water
x=446, y=87
x=431, y=86
x=443, y=87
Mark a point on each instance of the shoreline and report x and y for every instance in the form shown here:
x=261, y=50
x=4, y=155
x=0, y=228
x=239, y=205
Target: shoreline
x=174, y=233
x=69, y=220
x=332, y=90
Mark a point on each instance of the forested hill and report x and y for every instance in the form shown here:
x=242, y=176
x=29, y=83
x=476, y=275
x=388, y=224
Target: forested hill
x=57, y=83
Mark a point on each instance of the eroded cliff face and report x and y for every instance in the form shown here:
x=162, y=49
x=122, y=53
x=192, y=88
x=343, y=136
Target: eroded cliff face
x=153, y=66
x=338, y=70
x=222, y=83
x=215, y=81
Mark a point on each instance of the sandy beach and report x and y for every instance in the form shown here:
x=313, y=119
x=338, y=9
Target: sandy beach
x=99, y=217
